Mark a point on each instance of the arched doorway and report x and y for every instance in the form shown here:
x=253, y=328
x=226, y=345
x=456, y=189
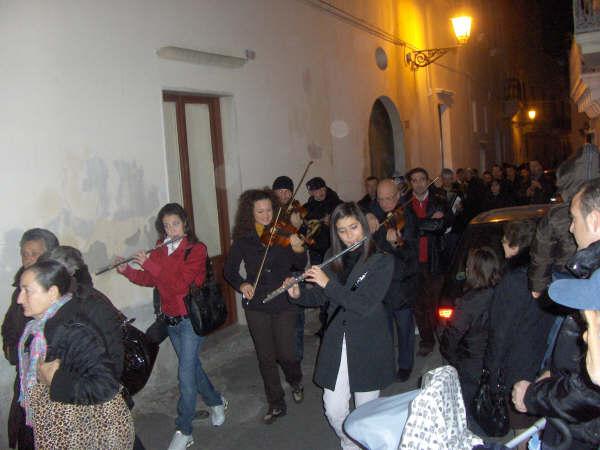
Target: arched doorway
x=386, y=139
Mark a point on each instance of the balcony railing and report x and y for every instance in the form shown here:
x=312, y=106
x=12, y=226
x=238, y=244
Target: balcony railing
x=586, y=15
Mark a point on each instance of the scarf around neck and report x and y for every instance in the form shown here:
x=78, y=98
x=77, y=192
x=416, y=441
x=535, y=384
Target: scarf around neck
x=28, y=360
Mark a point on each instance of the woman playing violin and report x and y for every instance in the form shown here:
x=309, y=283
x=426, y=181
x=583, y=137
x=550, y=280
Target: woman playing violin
x=272, y=325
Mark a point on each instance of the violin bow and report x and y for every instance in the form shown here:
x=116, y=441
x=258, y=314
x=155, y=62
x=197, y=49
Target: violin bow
x=272, y=232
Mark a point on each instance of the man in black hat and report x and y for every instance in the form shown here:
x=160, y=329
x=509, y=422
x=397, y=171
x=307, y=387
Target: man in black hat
x=320, y=205
x=283, y=187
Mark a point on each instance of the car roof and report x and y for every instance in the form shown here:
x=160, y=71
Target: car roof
x=511, y=214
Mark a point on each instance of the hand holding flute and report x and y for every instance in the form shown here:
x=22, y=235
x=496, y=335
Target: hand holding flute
x=313, y=275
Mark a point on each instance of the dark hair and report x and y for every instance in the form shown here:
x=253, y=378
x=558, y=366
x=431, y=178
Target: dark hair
x=51, y=273
x=244, y=217
x=349, y=209
x=487, y=172
x=460, y=170
x=371, y=178
x=519, y=234
x=447, y=171
x=590, y=197
x=484, y=268
x=174, y=209
x=411, y=172
x=497, y=165
x=68, y=256
x=40, y=234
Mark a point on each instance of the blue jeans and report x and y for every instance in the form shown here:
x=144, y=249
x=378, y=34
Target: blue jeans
x=405, y=328
x=192, y=378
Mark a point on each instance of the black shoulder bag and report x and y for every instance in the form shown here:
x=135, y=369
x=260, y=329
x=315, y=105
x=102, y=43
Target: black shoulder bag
x=489, y=406
x=205, y=304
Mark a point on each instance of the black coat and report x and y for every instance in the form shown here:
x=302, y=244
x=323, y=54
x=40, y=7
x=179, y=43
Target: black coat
x=463, y=343
x=403, y=287
x=569, y=393
x=13, y=324
x=86, y=374
x=432, y=229
x=280, y=263
x=519, y=326
x=356, y=311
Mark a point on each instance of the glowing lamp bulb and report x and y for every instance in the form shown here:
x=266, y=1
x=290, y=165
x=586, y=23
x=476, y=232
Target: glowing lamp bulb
x=462, y=28
x=531, y=114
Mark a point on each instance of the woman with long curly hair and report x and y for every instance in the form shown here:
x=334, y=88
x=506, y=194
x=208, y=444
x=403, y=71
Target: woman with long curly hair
x=273, y=324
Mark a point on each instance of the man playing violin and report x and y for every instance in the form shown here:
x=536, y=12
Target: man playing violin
x=395, y=233
x=283, y=186
x=323, y=200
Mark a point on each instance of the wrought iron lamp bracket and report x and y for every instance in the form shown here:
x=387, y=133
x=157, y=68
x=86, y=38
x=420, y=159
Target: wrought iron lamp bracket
x=422, y=58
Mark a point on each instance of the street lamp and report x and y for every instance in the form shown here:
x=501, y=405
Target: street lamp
x=531, y=114
x=422, y=58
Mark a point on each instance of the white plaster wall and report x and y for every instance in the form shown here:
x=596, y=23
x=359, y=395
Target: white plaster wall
x=81, y=118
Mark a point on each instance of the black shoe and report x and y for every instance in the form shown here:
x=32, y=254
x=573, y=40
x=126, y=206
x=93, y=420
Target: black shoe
x=403, y=375
x=298, y=393
x=273, y=414
x=425, y=348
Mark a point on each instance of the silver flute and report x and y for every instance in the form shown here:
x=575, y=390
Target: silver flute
x=132, y=257
x=300, y=278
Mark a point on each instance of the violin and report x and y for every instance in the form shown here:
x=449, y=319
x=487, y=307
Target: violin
x=296, y=207
x=395, y=220
x=280, y=234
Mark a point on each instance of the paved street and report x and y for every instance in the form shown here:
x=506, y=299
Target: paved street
x=230, y=361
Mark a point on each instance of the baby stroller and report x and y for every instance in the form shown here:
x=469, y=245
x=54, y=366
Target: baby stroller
x=432, y=418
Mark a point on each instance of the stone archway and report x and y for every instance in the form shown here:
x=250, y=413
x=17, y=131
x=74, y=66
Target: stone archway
x=386, y=139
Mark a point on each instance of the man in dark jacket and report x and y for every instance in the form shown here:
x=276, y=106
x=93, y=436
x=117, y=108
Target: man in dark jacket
x=34, y=243
x=320, y=205
x=401, y=242
x=567, y=392
x=553, y=244
x=370, y=197
x=432, y=218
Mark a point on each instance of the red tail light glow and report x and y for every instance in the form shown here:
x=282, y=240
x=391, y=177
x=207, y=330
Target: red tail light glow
x=445, y=313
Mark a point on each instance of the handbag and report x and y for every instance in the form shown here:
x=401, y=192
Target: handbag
x=68, y=426
x=139, y=358
x=489, y=405
x=205, y=304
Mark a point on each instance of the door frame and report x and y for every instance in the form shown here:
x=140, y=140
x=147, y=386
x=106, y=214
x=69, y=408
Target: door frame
x=216, y=134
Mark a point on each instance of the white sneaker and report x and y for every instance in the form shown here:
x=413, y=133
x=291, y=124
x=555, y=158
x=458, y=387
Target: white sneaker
x=217, y=413
x=181, y=441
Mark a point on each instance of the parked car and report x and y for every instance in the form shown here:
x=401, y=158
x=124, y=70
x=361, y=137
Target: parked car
x=484, y=229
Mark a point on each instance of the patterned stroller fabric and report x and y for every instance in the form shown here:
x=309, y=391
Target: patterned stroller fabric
x=437, y=419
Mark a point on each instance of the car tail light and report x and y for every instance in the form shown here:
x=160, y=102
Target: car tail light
x=445, y=313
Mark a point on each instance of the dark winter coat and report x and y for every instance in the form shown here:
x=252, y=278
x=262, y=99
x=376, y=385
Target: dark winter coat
x=86, y=374
x=554, y=244
x=13, y=324
x=357, y=312
x=402, y=291
x=474, y=198
x=463, y=343
x=518, y=325
x=433, y=229
x=318, y=211
x=280, y=263
x=568, y=393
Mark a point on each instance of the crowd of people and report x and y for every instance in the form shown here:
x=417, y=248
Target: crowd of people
x=387, y=256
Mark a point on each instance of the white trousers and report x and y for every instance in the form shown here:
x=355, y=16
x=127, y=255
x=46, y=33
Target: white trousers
x=337, y=402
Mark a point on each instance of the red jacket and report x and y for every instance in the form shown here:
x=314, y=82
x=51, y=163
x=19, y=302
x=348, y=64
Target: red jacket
x=171, y=275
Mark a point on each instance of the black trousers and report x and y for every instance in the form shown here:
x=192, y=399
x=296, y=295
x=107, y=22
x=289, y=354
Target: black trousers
x=428, y=290
x=274, y=338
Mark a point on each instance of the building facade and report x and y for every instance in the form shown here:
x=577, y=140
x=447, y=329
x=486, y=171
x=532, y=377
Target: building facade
x=111, y=109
